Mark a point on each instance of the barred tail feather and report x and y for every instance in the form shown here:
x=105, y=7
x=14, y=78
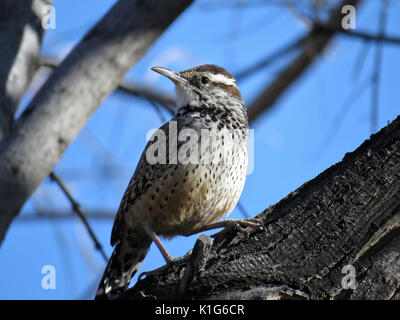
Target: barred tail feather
x=124, y=262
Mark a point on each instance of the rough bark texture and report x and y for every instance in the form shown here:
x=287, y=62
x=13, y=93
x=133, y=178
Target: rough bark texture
x=21, y=35
x=65, y=102
x=347, y=215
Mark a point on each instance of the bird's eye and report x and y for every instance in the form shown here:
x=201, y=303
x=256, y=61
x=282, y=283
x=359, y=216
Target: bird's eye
x=204, y=80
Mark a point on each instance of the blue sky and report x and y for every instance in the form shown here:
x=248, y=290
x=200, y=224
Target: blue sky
x=290, y=145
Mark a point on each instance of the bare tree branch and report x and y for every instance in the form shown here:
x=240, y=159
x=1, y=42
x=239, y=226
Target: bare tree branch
x=281, y=52
x=313, y=45
x=77, y=209
x=360, y=60
x=21, y=34
x=293, y=8
x=61, y=215
x=62, y=106
x=341, y=114
x=361, y=34
x=167, y=101
x=377, y=67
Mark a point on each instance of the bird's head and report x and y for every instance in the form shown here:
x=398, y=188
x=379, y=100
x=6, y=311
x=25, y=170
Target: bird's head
x=203, y=83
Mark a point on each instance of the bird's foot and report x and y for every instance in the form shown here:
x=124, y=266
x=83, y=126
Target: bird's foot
x=170, y=260
x=240, y=225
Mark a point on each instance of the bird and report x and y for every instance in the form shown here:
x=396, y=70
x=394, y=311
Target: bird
x=190, y=174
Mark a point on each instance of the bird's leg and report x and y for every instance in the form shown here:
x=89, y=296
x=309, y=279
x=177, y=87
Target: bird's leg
x=167, y=257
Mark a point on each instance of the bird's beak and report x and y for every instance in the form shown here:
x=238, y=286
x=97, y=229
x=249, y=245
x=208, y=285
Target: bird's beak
x=173, y=76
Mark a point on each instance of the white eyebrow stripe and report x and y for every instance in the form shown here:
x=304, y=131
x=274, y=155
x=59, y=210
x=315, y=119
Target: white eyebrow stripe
x=220, y=78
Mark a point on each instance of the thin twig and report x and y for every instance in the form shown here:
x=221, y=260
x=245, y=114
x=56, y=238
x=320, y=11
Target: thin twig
x=360, y=60
x=377, y=67
x=258, y=66
x=313, y=45
x=258, y=24
x=360, y=34
x=350, y=100
x=62, y=215
x=165, y=100
x=62, y=244
x=298, y=14
x=158, y=110
x=242, y=210
x=78, y=211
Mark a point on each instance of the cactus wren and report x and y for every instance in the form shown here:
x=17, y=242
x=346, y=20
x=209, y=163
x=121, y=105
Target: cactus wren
x=172, y=195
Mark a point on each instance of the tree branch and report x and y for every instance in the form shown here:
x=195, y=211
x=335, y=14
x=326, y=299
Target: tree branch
x=281, y=52
x=62, y=106
x=377, y=66
x=313, y=45
x=62, y=215
x=77, y=209
x=360, y=34
x=21, y=35
x=167, y=101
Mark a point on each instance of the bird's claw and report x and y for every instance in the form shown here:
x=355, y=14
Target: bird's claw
x=240, y=225
x=170, y=260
